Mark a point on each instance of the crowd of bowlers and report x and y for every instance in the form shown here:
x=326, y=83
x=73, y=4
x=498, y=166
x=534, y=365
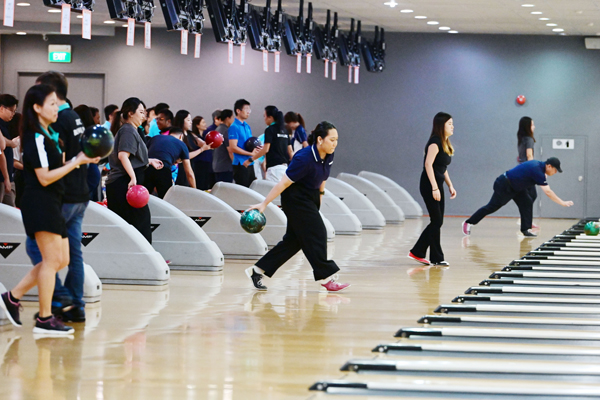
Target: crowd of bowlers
x=45, y=174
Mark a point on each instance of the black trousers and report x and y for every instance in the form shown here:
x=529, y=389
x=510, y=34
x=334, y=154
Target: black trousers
x=224, y=176
x=305, y=231
x=116, y=195
x=503, y=193
x=181, y=176
x=243, y=176
x=159, y=179
x=431, y=236
x=205, y=177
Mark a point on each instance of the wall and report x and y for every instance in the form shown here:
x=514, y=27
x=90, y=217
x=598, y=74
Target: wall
x=384, y=122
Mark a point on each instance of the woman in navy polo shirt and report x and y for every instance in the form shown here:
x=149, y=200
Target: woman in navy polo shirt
x=296, y=124
x=438, y=152
x=301, y=189
x=43, y=170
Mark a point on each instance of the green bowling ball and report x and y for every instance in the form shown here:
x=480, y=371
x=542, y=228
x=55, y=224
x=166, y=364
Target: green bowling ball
x=591, y=229
x=253, y=221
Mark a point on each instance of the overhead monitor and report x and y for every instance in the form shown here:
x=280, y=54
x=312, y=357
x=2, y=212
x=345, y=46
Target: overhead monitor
x=326, y=39
x=373, y=52
x=140, y=10
x=298, y=32
x=265, y=29
x=183, y=15
x=76, y=5
x=229, y=21
x=349, y=46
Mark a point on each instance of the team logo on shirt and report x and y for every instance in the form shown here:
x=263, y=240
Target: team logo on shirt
x=7, y=248
x=87, y=237
x=154, y=226
x=200, y=220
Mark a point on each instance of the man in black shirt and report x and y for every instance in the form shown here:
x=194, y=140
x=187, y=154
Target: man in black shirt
x=8, y=107
x=68, y=299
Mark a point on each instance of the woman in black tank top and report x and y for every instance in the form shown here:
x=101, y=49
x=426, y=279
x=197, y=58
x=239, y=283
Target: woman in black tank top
x=438, y=154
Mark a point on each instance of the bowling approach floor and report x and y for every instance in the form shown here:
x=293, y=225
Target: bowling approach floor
x=212, y=336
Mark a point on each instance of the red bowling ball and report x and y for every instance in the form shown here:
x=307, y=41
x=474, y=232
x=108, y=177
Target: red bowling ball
x=521, y=99
x=138, y=196
x=214, y=139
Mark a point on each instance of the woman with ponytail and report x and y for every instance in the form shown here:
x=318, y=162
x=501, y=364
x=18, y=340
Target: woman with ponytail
x=525, y=144
x=277, y=144
x=128, y=162
x=196, y=146
x=295, y=123
x=438, y=153
x=41, y=207
x=301, y=189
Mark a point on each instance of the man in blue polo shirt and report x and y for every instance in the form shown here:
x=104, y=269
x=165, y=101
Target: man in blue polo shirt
x=513, y=185
x=239, y=132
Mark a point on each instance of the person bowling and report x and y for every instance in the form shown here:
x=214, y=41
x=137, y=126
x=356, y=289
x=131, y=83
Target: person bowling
x=515, y=185
x=301, y=190
x=438, y=153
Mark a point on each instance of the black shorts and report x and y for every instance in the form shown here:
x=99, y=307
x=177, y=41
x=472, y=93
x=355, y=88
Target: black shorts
x=42, y=212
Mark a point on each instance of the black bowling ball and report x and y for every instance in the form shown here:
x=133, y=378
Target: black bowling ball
x=97, y=141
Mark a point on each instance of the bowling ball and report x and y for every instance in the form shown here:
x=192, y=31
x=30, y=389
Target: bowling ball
x=252, y=143
x=253, y=221
x=521, y=99
x=591, y=229
x=214, y=139
x=138, y=196
x=97, y=141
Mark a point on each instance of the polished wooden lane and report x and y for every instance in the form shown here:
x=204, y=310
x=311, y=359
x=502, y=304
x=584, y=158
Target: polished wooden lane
x=211, y=336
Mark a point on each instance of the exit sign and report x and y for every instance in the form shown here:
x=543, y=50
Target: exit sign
x=59, y=53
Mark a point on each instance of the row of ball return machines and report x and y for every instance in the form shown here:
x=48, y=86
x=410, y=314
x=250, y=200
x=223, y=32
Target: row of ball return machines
x=530, y=331
x=197, y=230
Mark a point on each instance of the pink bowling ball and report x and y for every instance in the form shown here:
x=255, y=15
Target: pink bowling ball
x=138, y=196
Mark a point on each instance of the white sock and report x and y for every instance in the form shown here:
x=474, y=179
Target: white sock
x=326, y=280
x=258, y=270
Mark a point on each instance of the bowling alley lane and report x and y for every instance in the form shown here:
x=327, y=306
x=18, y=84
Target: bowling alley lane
x=212, y=336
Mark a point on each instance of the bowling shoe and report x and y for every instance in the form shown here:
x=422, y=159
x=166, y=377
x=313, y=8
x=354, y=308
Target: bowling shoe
x=256, y=278
x=528, y=233
x=52, y=326
x=76, y=314
x=466, y=228
x=423, y=261
x=11, y=309
x=333, y=286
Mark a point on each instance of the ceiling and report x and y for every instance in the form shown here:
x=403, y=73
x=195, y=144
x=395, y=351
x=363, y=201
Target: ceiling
x=576, y=17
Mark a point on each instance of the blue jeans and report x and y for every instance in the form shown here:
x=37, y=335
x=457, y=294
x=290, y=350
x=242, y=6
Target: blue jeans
x=73, y=287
